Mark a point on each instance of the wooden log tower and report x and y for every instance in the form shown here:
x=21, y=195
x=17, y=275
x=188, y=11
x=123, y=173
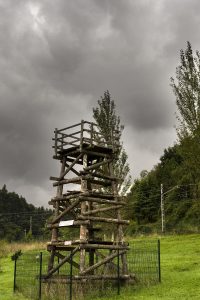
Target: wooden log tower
x=87, y=209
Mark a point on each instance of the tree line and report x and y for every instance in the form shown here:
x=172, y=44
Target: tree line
x=20, y=220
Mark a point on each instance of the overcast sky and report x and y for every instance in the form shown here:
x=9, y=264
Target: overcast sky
x=58, y=57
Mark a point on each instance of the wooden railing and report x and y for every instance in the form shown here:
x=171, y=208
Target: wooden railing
x=84, y=133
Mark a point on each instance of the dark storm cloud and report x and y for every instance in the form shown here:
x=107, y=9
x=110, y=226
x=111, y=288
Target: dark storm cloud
x=58, y=57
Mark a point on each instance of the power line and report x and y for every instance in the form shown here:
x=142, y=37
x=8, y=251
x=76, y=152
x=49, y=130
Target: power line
x=27, y=213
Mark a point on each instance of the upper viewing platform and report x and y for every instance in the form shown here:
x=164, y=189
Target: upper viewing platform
x=84, y=136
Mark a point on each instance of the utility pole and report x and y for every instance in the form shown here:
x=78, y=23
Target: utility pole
x=162, y=204
x=162, y=208
x=30, y=230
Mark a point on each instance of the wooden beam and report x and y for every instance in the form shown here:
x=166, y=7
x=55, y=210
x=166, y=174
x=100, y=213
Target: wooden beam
x=71, y=166
x=96, y=165
x=65, y=279
x=67, y=181
x=102, y=176
x=74, y=224
x=102, y=201
x=99, y=210
x=102, y=262
x=65, y=197
x=106, y=220
x=101, y=246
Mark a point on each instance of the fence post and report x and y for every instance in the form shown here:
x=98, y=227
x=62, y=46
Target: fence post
x=70, y=276
x=58, y=264
x=15, y=273
x=70, y=285
x=159, y=268
x=118, y=279
x=40, y=278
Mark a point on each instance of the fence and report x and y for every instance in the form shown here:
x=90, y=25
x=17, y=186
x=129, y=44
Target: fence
x=143, y=261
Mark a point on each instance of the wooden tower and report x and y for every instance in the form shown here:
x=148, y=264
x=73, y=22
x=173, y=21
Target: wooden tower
x=94, y=204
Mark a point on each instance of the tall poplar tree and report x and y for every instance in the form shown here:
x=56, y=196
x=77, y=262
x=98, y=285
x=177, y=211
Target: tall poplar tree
x=107, y=121
x=186, y=88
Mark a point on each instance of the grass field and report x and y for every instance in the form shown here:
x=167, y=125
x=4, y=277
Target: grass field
x=180, y=267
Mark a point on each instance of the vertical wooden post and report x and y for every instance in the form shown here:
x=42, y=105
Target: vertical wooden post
x=91, y=134
x=58, y=194
x=118, y=274
x=56, y=141
x=81, y=137
x=83, y=229
x=54, y=236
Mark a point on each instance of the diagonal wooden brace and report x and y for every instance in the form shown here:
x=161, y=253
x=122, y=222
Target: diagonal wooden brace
x=64, y=260
x=71, y=166
x=75, y=203
x=102, y=262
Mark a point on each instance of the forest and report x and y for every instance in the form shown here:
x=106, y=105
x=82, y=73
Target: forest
x=178, y=170
x=20, y=220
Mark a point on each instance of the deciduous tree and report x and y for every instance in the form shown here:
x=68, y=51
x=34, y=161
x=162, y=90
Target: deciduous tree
x=108, y=121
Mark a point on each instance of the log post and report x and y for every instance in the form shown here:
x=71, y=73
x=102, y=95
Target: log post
x=83, y=229
x=54, y=236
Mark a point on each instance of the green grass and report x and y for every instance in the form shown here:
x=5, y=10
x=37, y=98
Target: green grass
x=180, y=268
x=6, y=280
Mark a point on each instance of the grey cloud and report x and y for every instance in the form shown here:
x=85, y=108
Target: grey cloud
x=58, y=57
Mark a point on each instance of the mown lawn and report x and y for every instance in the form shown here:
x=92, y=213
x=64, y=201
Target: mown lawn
x=180, y=267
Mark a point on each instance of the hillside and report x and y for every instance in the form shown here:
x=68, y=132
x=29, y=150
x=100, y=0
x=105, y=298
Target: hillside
x=178, y=171
x=18, y=219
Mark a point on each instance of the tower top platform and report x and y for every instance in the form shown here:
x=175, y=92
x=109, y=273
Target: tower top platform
x=84, y=136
